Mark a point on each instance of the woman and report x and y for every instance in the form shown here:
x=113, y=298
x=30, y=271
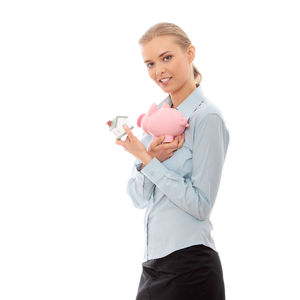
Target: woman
x=178, y=182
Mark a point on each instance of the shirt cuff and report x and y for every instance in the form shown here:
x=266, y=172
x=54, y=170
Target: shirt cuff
x=154, y=170
x=138, y=166
x=141, y=177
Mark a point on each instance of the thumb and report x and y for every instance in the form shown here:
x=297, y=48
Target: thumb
x=159, y=140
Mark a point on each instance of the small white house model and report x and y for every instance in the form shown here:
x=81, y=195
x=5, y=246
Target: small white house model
x=116, y=126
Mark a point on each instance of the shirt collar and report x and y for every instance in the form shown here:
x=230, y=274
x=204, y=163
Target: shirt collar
x=189, y=105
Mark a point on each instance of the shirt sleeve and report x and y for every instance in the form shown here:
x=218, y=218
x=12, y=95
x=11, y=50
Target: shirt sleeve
x=196, y=195
x=139, y=187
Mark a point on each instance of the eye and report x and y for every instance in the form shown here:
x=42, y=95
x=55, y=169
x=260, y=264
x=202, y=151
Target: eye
x=168, y=57
x=149, y=65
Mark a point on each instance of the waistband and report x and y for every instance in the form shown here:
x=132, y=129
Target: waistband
x=182, y=258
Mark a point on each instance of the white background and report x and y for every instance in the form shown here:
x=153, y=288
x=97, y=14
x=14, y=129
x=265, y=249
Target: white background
x=68, y=229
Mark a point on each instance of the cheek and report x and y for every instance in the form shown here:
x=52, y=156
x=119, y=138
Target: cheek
x=152, y=74
x=184, y=70
x=179, y=68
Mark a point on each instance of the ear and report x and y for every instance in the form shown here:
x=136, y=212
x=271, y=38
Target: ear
x=153, y=108
x=191, y=52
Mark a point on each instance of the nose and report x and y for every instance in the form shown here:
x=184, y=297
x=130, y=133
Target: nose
x=160, y=70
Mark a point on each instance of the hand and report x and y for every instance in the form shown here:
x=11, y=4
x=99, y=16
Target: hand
x=163, y=151
x=134, y=146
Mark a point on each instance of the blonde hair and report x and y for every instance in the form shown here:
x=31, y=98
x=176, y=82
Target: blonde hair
x=181, y=38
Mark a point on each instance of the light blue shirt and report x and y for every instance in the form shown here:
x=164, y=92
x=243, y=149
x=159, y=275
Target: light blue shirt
x=180, y=192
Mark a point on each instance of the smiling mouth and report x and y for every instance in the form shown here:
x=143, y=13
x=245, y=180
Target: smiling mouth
x=165, y=80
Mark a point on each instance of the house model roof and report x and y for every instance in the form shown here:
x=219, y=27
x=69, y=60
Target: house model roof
x=116, y=125
x=116, y=122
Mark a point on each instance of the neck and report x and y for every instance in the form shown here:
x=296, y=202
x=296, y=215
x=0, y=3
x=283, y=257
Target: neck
x=181, y=94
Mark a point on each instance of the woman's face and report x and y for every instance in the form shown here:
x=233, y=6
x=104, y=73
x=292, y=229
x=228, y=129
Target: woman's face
x=168, y=64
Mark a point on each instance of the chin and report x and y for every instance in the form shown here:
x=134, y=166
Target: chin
x=170, y=89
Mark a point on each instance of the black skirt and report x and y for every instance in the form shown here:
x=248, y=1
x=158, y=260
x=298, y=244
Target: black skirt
x=192, y=273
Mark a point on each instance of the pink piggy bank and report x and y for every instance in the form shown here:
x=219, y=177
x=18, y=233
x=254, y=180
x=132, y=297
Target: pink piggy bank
x=165, y=121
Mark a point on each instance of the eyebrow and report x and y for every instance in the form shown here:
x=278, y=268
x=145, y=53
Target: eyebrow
x=158, y=56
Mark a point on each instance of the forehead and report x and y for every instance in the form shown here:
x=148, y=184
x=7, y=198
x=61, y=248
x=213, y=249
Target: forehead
x=158, y=45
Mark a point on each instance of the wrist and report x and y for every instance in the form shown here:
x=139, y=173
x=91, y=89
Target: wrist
x=145, y=158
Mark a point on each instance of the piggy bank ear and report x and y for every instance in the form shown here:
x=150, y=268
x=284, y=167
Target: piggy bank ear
x=139, y=120
x=152, y=109
x=166, y=105
x=183, y=122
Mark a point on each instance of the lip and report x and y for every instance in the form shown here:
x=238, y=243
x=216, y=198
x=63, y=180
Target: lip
x=164, y=83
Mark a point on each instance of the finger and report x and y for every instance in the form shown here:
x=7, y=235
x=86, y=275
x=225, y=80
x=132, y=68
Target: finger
x=170, y=146
x=128, y=131
x=181, y=141
x=120, y=142
x=171, y=153
x=182, y=136
x=159, y=140
x=174, y=142
x=123, y=143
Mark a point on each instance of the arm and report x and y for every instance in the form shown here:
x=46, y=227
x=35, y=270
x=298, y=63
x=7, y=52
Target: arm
x=195, y=195
x=139, y=187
